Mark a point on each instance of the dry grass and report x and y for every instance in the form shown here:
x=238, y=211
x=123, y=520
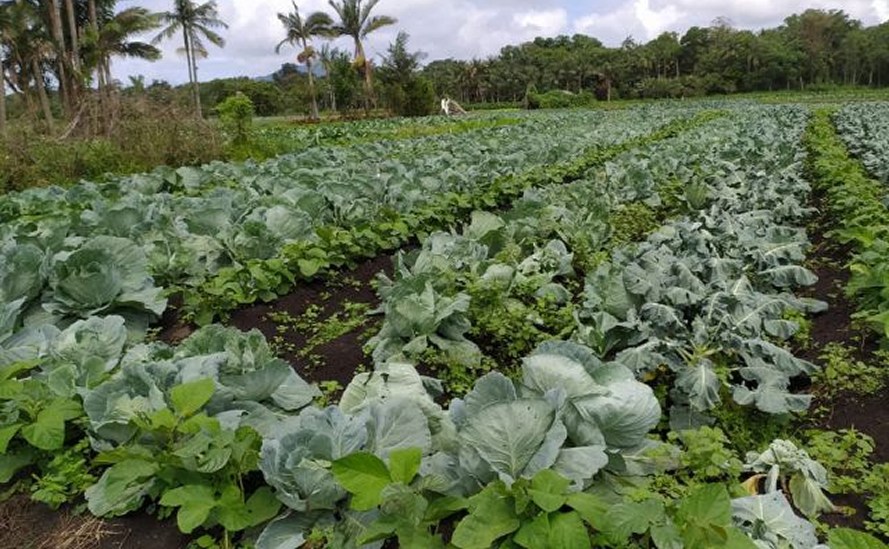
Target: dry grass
x=77, y=532
x=27, y=525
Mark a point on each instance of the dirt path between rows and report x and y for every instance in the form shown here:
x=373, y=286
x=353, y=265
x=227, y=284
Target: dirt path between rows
x=867, y=414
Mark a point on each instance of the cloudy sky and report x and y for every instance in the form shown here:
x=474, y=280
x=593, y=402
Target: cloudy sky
x=473, y=28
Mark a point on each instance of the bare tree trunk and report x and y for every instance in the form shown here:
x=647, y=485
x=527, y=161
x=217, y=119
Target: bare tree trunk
x=315, y=114
x=55, y=19
x=368, y=79
x=72, y=30
x=41, y=93
x=75, y=48
x=197, y=88
x=192, y=72
x=3, y=132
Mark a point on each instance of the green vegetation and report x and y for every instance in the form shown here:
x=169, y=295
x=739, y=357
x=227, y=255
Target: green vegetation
x=591, y=346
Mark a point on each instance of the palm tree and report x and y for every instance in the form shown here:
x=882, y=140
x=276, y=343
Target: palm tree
x=114, y=40
x=5, y=25
x=29, y=46
x=299, y=33
x=196, y=22
x=356, y=22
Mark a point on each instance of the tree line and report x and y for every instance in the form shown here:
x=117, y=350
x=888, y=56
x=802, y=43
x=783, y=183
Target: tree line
x=56, y=55
x=814, y=49
x=69, y=45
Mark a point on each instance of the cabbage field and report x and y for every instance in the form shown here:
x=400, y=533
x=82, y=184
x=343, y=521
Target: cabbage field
x=658, y=326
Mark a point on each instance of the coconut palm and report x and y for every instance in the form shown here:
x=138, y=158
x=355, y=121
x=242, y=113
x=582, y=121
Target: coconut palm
x=356, y=22
x=196, y=22
x=29, y=46
x=300, y=33
x=114, y=39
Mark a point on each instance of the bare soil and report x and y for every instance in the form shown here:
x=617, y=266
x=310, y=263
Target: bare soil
x=867, y=414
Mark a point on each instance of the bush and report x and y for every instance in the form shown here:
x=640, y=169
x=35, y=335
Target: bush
x=419, y=98
x=416, y=97
x=146, y=134
x=559, y=99
x=236, y=118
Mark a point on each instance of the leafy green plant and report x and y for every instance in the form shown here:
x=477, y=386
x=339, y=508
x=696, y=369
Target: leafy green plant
x=236, y=116
x=706, y=455
x=408, y=504
x=35, y=420
x=188, y=461
x=843, y=373
x=845, y=453
x=531, y=513
x=65, y=478
x=797, y=474
x=846, y=538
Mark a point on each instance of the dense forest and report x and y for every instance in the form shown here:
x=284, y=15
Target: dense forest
x=809, y=50
x=54, y=50
x=813, y=50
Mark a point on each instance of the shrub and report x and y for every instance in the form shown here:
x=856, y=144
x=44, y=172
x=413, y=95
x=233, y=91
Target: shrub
x=236, y=117
x=559, y=99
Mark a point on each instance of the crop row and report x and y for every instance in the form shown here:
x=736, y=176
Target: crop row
x=864, y=129
x=535, y=460
x=334, y=246
x=101, y=249
x=858, y=205
x=570, y=452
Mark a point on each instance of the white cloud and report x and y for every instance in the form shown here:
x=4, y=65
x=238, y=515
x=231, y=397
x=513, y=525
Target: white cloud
x=547, y=22
x=474, y=28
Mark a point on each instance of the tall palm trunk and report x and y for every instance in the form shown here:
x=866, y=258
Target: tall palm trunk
x=100, y=74
x=2, y=100
x=72, y=30
x=55, y=21
x=75, y=52
x=190, y=58
x=368, y=78
x=41, y=93
x=315, y=114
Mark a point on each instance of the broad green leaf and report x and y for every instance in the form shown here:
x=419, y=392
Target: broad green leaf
x=708, y=504
x=666, y=536
x=188, y=398
x=548, y=489
x=591, y=508
x=443, y=507
x=404, y=464
x=234, y=514
x=6, y=434
x=562, y=530
x=364, y=475
x=491, y=517
x=739, y=540
x=625, y=519
x=535, y=533
x=121, y=488
x=263, y=506
x=195, y=502
x=568, y=531
x=13, y=462
x=846, y=538
x=47, y=432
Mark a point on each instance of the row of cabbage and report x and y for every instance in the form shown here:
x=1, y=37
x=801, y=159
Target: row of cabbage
x=187, y=428
x=277, y=135
x=707, y=286
x=864, y=128
x=855, y=194
x=703, y=305
x=108, y=248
